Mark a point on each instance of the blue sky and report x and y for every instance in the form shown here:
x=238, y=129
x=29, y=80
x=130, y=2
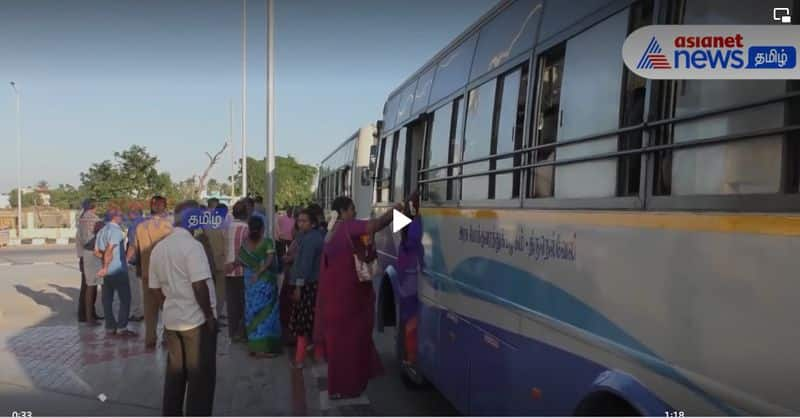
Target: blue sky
x=97, y=76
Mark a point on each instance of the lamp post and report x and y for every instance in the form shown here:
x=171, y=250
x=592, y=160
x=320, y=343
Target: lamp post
x=244, y=98
x=233, y=153
x=270, y=183
x=19, y=165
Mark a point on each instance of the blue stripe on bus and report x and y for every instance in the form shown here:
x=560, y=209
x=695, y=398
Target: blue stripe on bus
x=500, y=382
x=501, y=284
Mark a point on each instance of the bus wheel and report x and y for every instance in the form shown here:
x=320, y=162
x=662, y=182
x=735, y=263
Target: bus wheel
x=604, y=404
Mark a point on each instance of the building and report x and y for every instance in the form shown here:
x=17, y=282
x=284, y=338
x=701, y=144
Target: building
x=222, y=198
x=43, y=196
x=5, y=201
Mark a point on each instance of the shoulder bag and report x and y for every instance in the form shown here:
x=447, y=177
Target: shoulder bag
x=365, y=270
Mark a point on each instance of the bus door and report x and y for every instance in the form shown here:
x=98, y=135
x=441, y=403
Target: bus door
x=416, y=138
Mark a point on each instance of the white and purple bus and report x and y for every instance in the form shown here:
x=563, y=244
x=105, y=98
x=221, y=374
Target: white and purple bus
x=592, y=242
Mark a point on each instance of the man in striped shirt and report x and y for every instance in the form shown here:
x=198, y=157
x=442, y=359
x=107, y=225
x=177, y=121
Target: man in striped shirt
x=234, y=282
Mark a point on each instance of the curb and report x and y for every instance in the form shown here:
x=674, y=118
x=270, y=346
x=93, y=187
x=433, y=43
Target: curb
x=38, y=242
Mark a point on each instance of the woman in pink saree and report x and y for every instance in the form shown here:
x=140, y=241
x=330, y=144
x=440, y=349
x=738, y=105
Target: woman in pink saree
x=347, y=305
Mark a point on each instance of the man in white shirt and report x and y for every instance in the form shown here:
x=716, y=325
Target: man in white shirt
x=180, y=276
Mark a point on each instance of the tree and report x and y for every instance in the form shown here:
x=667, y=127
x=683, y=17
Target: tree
x=137, y=169
x=103, y=182
x=213, y=186
x=293, y=180
x=28, y=199
x=132, y=176
x=65, y=197
x=212, y=160
x=186, y=189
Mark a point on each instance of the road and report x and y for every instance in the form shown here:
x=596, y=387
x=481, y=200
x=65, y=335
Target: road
x=50, y=365
x=34, y=254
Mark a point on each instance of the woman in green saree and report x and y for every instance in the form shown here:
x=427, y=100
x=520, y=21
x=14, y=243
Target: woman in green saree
x=261, y=292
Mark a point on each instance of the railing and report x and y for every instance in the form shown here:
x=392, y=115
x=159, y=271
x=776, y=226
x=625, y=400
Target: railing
x=629, y=129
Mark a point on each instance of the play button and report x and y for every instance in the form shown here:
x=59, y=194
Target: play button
x=399, y=221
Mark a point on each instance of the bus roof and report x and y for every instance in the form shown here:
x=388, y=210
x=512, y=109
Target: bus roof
x=471, y=29
x=345, y=142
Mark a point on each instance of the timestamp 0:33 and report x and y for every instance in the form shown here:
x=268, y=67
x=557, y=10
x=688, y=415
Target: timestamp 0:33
x=21, y=414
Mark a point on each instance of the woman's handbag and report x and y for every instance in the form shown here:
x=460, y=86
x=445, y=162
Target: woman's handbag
x=365, y=270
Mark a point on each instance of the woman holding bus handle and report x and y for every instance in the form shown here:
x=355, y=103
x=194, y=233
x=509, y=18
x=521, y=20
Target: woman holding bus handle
x=346, y=305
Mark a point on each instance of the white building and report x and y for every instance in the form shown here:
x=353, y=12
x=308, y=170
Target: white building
x=5, y=201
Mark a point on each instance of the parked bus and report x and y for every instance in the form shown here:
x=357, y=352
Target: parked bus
x=345, y=172
x=594, y=242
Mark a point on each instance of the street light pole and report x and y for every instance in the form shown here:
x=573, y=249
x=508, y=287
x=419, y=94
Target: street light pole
x=244, y=98
x=270, y=183
x=230, y=141
x=19, y=165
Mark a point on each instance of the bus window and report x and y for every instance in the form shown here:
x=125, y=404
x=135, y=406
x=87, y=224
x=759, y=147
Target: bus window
x=741, y=167
x=592, y=75
x=400, y=164
x=390, y=112
x=438, y=153
x=547, y=121
x=506, y=36
x=406, y=101
x=452, y=71
x=508, y=136
x=383, y=183
x=478, y=139
x=416, y=142
x=347, y=182
x=423, y=91
x=633, y=97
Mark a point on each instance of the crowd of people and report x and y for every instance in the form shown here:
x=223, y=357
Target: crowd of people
x=297, y=287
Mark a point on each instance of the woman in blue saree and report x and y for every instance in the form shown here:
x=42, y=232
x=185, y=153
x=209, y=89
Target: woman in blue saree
x=262, y=320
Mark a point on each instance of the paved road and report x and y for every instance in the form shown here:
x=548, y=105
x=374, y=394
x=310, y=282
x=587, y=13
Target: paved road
x=51, y=254
x=51, y=366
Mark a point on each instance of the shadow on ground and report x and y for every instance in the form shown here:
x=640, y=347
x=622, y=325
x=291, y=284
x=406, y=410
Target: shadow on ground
x=62, y=304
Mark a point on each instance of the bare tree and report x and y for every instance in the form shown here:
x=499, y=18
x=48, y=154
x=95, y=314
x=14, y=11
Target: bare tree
x=212, y=160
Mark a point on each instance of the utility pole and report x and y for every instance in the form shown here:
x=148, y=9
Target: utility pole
x=233, y=153
x=270, y=183
x=19, y=165
x=244, y=98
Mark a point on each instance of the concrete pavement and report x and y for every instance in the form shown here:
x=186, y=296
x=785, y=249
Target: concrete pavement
x=50, y=365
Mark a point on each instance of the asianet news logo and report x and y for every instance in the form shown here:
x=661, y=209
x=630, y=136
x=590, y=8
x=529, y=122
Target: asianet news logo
x=669, y=52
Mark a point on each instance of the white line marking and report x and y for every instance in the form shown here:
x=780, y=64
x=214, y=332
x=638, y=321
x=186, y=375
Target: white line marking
x=5, y=264
x=43, y=263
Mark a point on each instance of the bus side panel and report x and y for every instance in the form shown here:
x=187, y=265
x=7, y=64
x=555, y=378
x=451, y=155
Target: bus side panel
x=597, y=292
x=530, y=378
x=428, y=339
x=492, y=363
x=455, y=336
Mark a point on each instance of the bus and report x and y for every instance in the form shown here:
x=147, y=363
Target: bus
x=593, y=242
x=345, y=172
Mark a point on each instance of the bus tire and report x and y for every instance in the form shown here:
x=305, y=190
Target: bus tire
x=602, y=403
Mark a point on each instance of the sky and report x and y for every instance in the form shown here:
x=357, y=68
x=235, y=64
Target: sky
x=97, y=76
